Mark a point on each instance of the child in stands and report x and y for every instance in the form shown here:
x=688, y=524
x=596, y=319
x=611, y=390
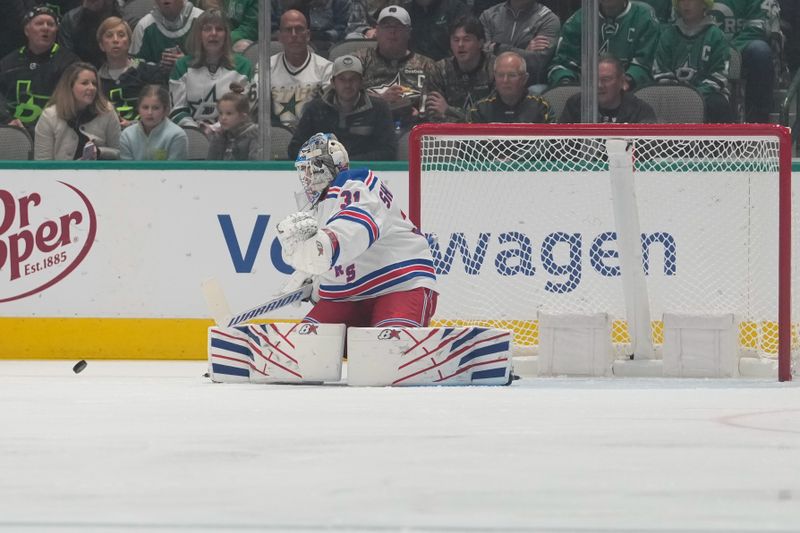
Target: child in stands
x=154, y=137
x=237, y=137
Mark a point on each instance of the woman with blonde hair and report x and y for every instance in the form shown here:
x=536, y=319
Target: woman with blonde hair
x=122, y=77
x=78, y=122
x=209, y=71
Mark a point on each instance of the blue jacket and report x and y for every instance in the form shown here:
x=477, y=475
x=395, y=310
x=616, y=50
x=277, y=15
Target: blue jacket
x=167, y=141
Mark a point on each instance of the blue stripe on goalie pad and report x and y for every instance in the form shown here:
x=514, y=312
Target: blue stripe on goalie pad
x=469, y=336
x=247, y=331
x=486, y=350
x=230, y=370
x=488, y=374
x=230, y=346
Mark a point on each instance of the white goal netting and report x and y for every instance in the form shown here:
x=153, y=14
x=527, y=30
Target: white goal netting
x=525, y=222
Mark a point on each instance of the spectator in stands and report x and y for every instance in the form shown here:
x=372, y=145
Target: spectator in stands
x=790, y=22
x=456, y=84
x=511, y=101
x=527, y=28
x=744, y=23
x=61, y=7
x=243, y=17
x=123, y=77
x=160, y=37
x=694, y=51
x=361, y=122
x=29, y=75
x=78, y=122
x=327, y=19
x=12, y=35
x=363, y=22
x=392, y=71
x=662, y=9
x=237, y=137
x=79, y=26
x=479, y=6
x=614, y=103
x=197, y=80
x=297, y=74
x=430, y=25
x=628, y=31
x=154, y=137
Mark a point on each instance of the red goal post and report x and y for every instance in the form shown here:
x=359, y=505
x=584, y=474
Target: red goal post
x=525, y=221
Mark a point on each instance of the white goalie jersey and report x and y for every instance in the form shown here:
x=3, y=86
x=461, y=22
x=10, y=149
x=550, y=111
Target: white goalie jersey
x=376, y=249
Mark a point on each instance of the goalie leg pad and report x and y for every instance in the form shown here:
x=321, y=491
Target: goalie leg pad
x=428, y=356
x=276, y=353
x=229, y=359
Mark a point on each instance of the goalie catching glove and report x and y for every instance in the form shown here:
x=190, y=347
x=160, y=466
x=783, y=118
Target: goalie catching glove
x=295, y=229
x=305, y=247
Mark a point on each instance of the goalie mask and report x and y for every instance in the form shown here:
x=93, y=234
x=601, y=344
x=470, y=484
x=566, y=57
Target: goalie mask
x=319, y=161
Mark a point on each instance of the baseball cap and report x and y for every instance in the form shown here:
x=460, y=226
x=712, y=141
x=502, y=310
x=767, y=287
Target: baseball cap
x=347, y=64
x=395, y=12
x=39, y=10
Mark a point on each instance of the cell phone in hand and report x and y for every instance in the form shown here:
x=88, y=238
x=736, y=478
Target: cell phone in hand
x=89, y=152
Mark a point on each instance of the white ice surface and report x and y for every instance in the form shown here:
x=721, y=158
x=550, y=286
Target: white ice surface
x=153, y=446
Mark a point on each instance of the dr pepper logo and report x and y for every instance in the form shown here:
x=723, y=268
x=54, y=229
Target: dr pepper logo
x=44, y=235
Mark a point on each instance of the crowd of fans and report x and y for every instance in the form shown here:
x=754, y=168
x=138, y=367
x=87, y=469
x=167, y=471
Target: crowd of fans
x=87, y=83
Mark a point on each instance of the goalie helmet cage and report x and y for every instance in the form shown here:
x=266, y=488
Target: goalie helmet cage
x=528, y=218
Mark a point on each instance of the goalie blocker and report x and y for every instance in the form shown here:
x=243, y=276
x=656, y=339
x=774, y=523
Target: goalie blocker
x=312, y=353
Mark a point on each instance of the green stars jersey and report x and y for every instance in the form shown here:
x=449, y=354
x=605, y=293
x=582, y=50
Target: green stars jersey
x=631, y=37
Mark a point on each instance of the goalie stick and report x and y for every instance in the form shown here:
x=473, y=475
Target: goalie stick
x=221, y=311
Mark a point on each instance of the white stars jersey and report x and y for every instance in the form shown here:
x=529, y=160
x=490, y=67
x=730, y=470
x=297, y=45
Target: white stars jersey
x=292, y=88
x=376, y=249
x=195, y=91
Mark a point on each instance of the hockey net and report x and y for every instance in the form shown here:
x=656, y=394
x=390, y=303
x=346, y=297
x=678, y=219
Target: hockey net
x=524, y=221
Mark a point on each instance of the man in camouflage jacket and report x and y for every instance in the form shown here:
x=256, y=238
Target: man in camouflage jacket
x=457, y=83
x=393, y=72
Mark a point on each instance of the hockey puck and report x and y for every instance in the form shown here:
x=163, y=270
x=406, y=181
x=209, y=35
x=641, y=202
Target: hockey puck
x=79, y=366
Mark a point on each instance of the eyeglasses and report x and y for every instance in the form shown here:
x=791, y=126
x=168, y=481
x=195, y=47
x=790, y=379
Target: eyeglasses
x=508, y=75
x=293, y=31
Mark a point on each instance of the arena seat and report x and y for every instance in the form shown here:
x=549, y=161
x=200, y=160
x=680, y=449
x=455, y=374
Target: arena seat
x=736, y=85
x=402, y=146
x=350, y=46
x=251, y=52
x=279, y=143
x=674, y=104
x=15, y=143
x=198, y=143
x=557, y=97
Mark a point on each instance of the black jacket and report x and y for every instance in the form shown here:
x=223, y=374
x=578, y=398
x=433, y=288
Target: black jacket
x=430, y=26
x=27, y=81
x=123, y=93
x=532, y=109
x=630, y=111
x=367, y=132
x=78, y=33
x=11, y=31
